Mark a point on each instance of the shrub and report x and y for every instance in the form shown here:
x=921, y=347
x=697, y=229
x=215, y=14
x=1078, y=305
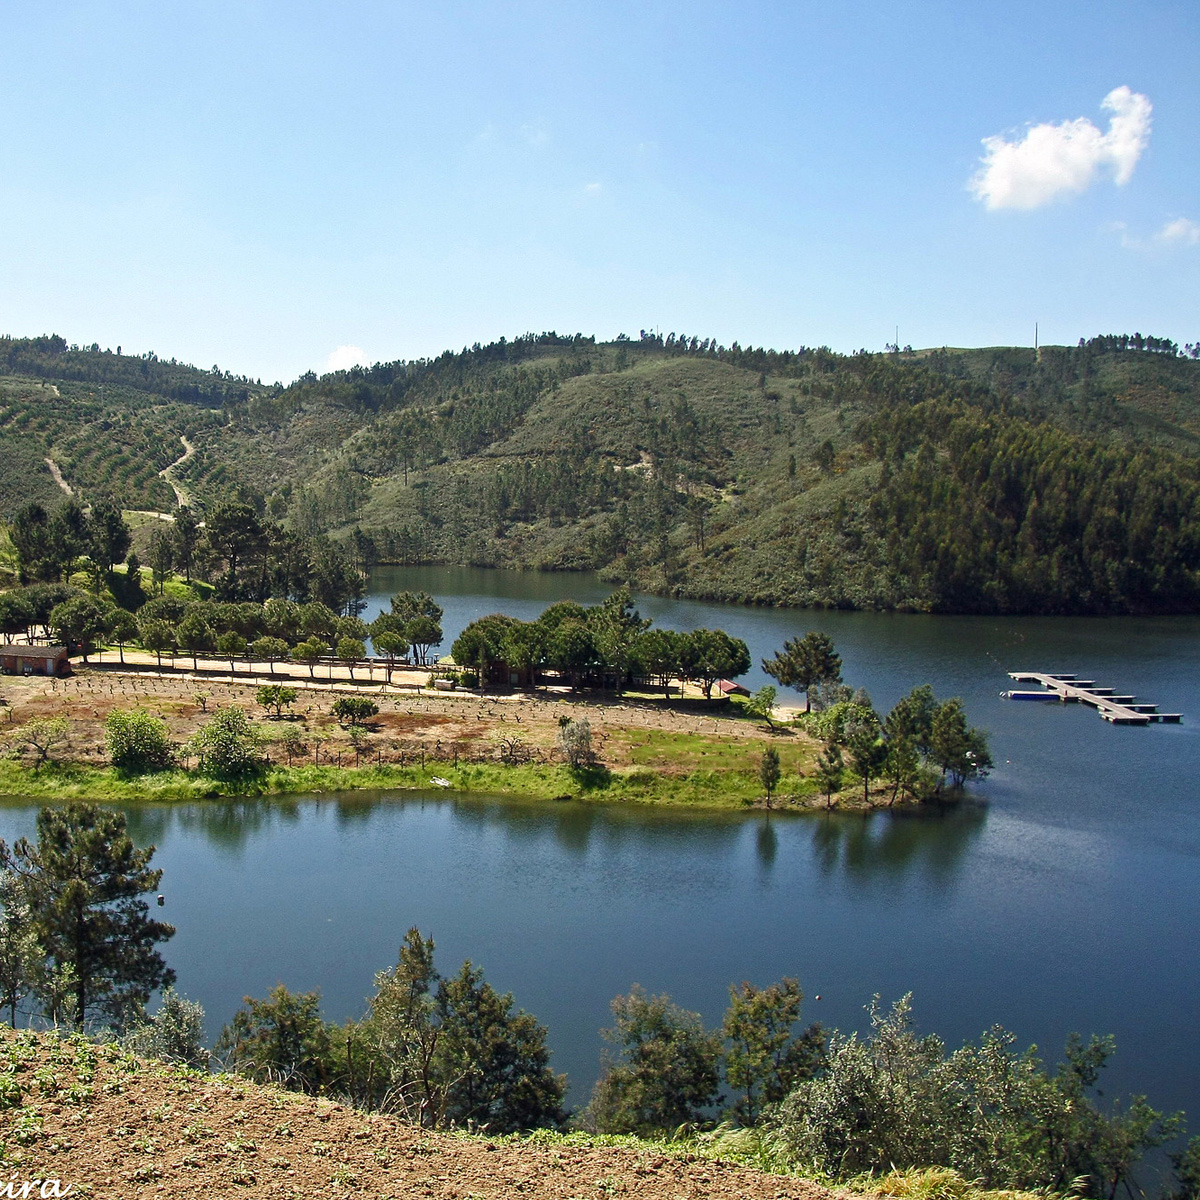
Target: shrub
x=43, y=737
x=277, y=696
x=575, y=741
x=896, y=1100
x=174, y=1034
x=667, y=1073
x=227, y=746
x=137, y=742
x=354, y=709
x=281, y=1039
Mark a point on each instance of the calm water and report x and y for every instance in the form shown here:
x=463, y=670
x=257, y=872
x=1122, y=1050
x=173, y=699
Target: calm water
x=1067, y=898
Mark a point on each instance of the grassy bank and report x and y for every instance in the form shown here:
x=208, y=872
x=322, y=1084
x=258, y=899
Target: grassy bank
x=697, y=789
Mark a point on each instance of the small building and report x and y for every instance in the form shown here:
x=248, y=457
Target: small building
x=728, y=688
x=34, y=660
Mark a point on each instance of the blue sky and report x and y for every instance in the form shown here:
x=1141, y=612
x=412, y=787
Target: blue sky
x=277, y=186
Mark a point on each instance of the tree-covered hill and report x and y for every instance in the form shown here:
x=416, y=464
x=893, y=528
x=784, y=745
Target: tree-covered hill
x=1001, y=480
x=108, y=422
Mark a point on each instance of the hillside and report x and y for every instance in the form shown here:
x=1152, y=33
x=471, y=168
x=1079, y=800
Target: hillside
x=993, y=480
x=106, y=1124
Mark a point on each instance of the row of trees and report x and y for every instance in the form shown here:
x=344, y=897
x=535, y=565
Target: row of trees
x=609, y=644
x=442, y=1051
x=920, y=746
x=435, y=1050
x=846, y=1105
x=50, y=357
x=1108, y=343
x=273, y=631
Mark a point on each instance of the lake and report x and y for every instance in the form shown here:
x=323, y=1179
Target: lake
x=1065, y=897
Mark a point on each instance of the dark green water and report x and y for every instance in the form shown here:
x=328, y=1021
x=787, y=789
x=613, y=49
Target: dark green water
x=1067, y=898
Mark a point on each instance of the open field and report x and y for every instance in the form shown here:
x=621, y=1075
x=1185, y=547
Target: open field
x=647, y=750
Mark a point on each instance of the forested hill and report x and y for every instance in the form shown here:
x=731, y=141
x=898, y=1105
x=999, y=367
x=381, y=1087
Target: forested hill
x=994, y=480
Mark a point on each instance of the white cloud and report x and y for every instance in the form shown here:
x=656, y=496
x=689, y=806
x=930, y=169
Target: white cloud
x=345, y=357
x=1180, y=232
x=1056, y=160
x=593, y=189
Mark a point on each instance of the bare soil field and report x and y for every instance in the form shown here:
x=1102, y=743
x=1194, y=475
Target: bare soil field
x=106, y=1124
x=413, y=722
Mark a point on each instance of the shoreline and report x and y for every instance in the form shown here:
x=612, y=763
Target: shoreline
x=649, y=751
x=536, y=783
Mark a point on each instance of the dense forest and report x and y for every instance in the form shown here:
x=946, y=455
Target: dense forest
x=996, y=480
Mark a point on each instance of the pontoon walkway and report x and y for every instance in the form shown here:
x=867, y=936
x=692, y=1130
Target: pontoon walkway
x=1070, y=689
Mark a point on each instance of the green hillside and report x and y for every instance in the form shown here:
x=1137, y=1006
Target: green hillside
x=108, y=422
x=1000, y=479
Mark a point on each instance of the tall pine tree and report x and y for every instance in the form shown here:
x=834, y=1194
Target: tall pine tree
x=83, y=883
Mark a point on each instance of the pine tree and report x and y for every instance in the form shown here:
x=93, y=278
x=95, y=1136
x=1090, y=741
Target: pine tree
x=769, y=771
x=83, y=883
x=805, y=662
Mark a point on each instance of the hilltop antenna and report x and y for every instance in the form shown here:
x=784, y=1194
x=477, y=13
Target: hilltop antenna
x=1035, y=335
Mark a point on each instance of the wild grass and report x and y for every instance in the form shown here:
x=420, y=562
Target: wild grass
x=751, y=1148
x=696, y=789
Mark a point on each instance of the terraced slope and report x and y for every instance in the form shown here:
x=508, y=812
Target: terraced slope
x=994, y=480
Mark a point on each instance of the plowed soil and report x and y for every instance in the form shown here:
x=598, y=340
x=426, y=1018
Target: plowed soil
x=108, y=1125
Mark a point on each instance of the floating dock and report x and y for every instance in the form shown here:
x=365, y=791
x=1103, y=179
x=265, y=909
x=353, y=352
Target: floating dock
x=1070, y=689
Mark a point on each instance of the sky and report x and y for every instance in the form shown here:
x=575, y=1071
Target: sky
x=274, y=186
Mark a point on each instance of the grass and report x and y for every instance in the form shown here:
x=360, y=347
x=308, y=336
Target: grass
x=936, y=1183
x=749, y=1148
x=696, y=789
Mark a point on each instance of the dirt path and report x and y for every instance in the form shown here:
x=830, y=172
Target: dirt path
x=181, y=497
x=58, y=477
x=109, y=1126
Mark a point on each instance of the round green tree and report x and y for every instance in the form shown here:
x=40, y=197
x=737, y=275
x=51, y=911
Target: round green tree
x=137, y=742
x=227, y=746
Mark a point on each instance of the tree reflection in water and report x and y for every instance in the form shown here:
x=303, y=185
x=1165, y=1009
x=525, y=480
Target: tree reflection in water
x=870, y=847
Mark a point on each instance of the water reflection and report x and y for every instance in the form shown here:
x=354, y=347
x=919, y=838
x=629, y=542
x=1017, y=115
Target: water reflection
x=872, y=848
x=766, y=843
x=228, y=825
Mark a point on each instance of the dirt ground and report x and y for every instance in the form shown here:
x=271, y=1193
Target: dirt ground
x=105, y=1125
x=413, y=721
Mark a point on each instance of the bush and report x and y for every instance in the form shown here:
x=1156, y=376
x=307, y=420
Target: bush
x=667, y=1074
x=281, y=1039
x=227, y=747
x=137, y=742
x=575, y=741
x=174, y=1034
x=355, y=709
x=896, y=1100
x=277, y=696
x=452, y=1051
